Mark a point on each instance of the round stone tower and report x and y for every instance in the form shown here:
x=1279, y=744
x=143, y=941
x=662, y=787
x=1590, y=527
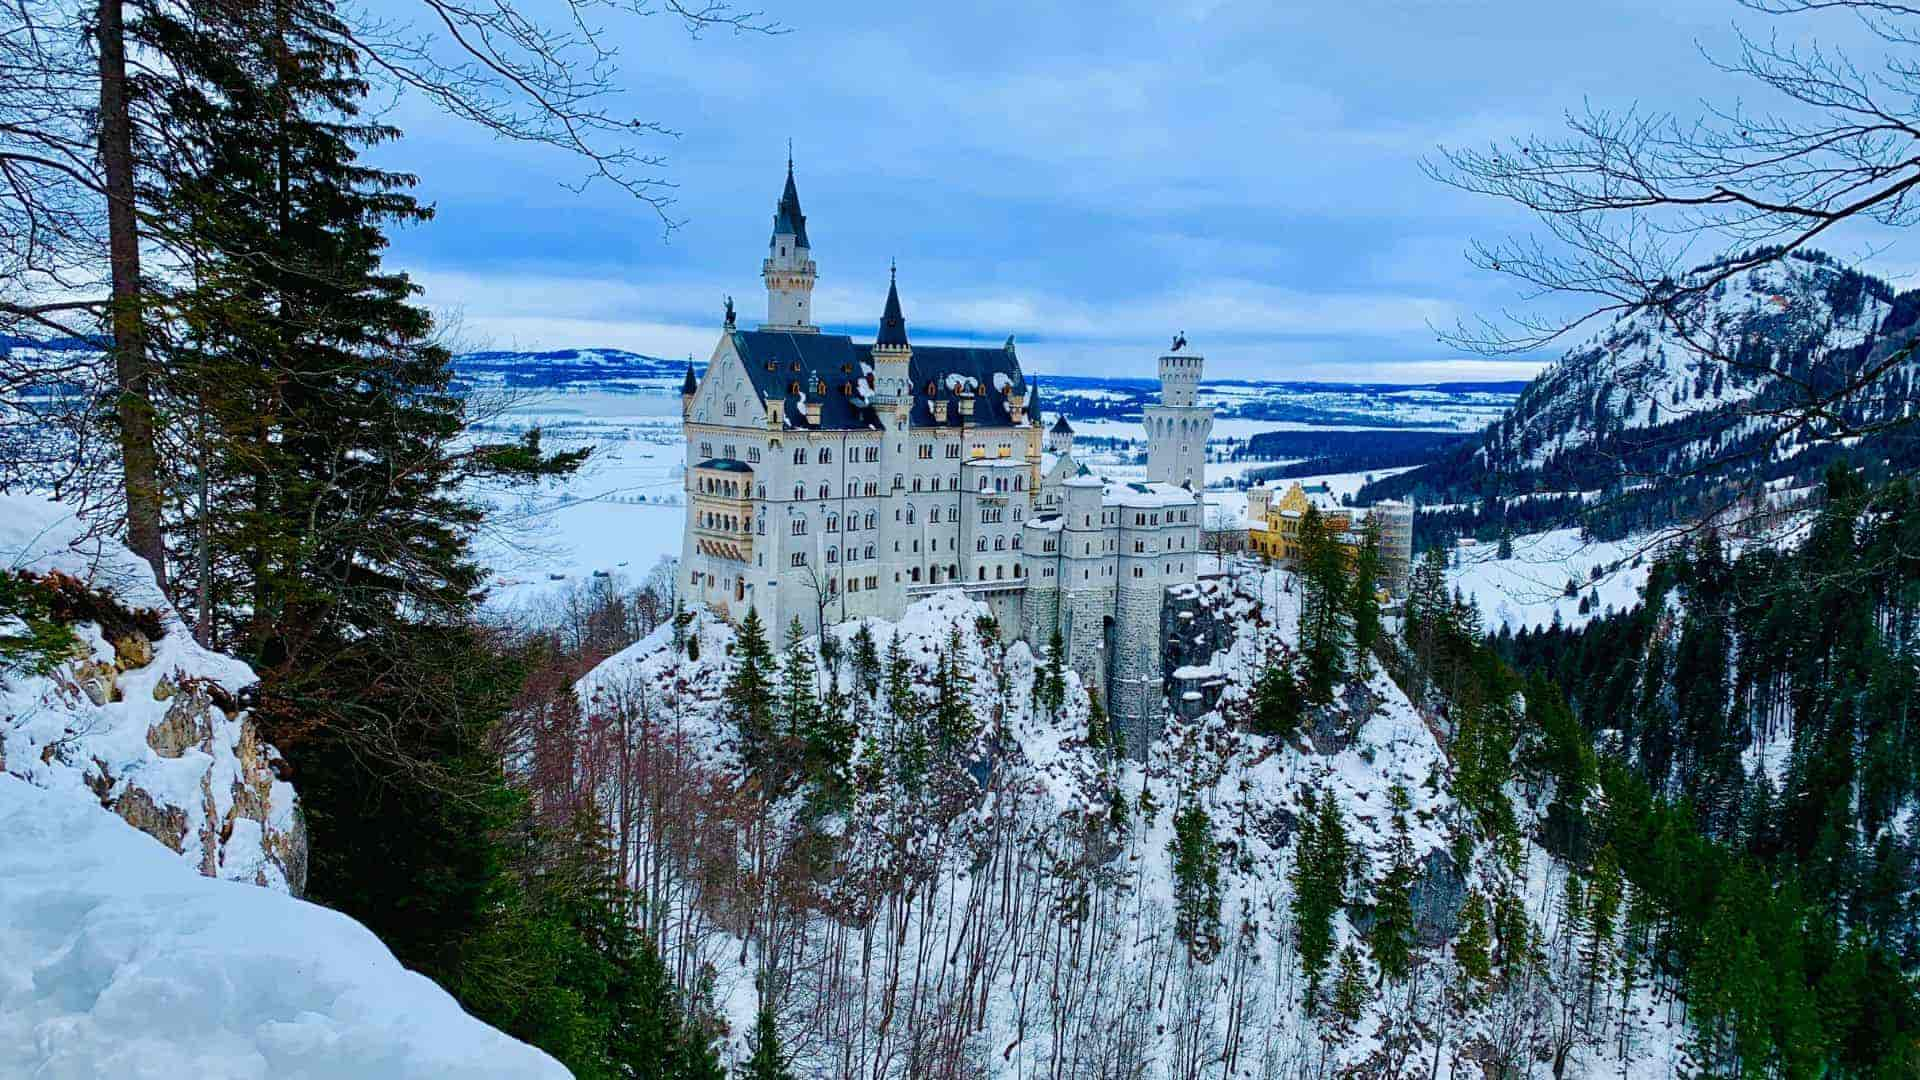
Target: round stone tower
x=1177, y=429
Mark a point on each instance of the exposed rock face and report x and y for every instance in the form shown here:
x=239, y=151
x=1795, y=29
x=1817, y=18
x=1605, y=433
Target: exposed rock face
x=1438, y=895
x=143, y=718
x=1196, y=623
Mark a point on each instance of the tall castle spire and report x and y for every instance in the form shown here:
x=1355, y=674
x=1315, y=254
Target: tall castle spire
x=788, y=269
x=893, y=325
x=892, y=352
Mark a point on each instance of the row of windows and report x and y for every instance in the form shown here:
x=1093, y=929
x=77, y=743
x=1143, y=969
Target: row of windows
x=999, y=543
x=729, y=451
x=853, y=554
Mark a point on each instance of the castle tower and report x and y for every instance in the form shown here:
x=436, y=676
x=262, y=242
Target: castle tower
x=788, y=270
x=688, y=387
x=1177, y=429
x=892, y=352
x=1060, y=436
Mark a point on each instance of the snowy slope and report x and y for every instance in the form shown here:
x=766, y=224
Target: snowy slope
x=122, y=961
x=149, y=729
x=1651, y=391
x=147, y=850
x=1017, y=931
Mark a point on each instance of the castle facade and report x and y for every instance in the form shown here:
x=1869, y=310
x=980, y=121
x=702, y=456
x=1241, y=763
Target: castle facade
x=829, y=479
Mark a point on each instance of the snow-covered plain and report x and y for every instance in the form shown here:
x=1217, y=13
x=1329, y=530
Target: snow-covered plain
x=122, y=961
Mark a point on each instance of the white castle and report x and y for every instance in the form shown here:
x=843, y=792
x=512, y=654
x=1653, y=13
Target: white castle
x=829, y=479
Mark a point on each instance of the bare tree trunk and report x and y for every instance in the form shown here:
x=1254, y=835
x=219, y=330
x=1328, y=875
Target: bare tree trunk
x=138, y=459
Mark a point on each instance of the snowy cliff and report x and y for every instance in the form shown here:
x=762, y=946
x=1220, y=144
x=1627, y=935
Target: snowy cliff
x=1022, y=914
x=148, y=849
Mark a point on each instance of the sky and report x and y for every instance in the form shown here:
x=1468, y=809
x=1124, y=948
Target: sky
x=1090, y=178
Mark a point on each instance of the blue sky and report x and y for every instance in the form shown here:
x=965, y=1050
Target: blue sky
x=1090, y=178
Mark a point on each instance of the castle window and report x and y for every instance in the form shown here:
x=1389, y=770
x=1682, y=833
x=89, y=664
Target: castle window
x=1016, y=543
x=872, y=488
x=953, y=450
x=731, y=408
x=983, y=573
x=999, y=573
x=833, y=523
x=980, y=544
x=706, y=449
x=833, y=555
x=753, y=454
x=799, y=558
x=729, y=452
x=899, y=481
x=926, y=451
x=1139, y=572
x=869, y=552
x=872, y=518
x=999, y=543
x=799, y=526
x=824, y=491
x=826, y=455
x=799, y=455
x=799, y=491
x=760, y=491
x=915, y=575
x=909, y=515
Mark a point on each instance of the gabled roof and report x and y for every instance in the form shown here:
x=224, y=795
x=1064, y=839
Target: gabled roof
x=837, y=372
x=787, y=218
x=1060, y=425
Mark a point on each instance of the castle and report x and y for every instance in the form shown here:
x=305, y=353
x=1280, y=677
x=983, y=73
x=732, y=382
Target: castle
x=830, y=479
x=1273, y=531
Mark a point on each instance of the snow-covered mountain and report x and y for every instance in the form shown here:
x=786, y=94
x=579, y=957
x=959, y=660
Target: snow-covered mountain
x=151, y=855
x=1716, y=388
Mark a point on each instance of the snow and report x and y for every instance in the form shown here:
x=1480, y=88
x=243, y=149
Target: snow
x=121, y=961
x=1528, y=590
x=237, y=819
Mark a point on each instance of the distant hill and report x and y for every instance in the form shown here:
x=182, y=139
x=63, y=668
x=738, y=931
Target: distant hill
x=1640, y=422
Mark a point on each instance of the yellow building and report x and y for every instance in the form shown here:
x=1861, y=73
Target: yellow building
x=1273, y=528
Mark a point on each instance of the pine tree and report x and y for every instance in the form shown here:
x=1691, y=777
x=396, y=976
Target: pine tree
x=749, y=699
x=1196, y=881
x=1320, y=863
x=1473, y=949
x=1323, y=607
x=802, y=722
x=1277, y=699
x=955, y=726
x=908, y=749
x=767, y=1061
x=866, y=663
x=1363, y=600
x=1391, y=939
x=1350, y=992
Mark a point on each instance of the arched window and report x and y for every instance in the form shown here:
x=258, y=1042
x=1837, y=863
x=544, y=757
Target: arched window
x=833, y=523
x=799, y=455
x=983, y=573
x=826, y=455
x=980, y=544
x=799, y=491
x=823, y=490
x=999, y=543
x=909, y=515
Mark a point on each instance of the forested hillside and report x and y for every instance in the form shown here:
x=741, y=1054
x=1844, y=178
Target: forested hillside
x=1754, y=722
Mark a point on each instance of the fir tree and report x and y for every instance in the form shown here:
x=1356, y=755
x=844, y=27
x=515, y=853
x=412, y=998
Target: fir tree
x=1350, y=992
x=1320, y=863
x=1473, y=949
x=749, y=699
x=1196, y=881
x=1363, y=600
x=1323, y=607
x=1391, y=938
x=767, y=1061
x=1277, y=699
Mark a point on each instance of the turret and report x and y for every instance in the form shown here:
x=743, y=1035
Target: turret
x=892, y=352
x=688, y=387
x=1060, y=436
x=789, y=270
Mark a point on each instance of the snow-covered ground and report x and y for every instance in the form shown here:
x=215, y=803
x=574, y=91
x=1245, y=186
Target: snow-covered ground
x=148, y=849
x=122, y=961
x=1529, y=590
